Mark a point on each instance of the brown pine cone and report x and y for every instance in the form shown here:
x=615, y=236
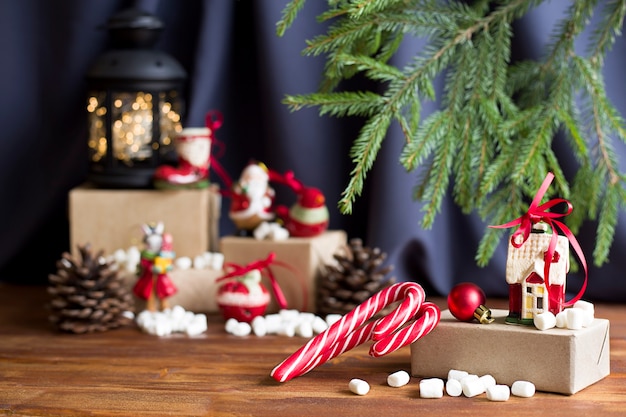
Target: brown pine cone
x=88, y=295
x=357, y=275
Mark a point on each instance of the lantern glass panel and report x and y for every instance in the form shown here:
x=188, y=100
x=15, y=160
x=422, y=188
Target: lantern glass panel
x=132, y=120
x=96, y=108
x=131, y=132
x=170, y=121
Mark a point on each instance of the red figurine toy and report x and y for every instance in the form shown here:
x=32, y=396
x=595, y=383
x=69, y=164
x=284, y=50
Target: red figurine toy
x=252, y=198
x=308, y=217
x=193, y=146
x=156, y=261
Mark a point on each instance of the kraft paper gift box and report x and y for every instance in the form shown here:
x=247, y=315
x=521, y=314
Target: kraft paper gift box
x=196, y=289
x=555, y=360
x=111, y=219
x=306, y=255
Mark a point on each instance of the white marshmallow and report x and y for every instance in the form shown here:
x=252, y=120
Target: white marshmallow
x=398, y=379
x=575, y=318
x=183, y=263
x=199, y=262
x=453, y=388
x=304, y=329
x=488, y=381
x=242, y=329
x=172, y=320
x=287, y=322
x=162, y=328
x=273, y=318
x=259, y=326
x=128, y=314
x=287, y=329
x=306, y=317
x=584, y=305
x=262, y=231
x=456, y=374
x=589, y=310
x=230, y=325
x=144, y=318
x=279, y=233
x=588, y=318
x=431, y=388
x=545, y=320
x=197, y=326
x=523, y=389
x=358, y=386
x=273, y=323
x=498, y=393
x=561, y=319
x=319, y=325
x=332, y=318
x=133, y=257
x=217, y=261
x=472, y=386
x=119, y=256
x=468, y=377
x=177, y=312
x=289, y=315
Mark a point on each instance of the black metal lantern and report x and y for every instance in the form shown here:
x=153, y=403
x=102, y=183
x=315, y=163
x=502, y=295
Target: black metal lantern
x=134, y=105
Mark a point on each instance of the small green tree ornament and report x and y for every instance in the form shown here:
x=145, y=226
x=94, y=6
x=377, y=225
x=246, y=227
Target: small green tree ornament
x=490, y=142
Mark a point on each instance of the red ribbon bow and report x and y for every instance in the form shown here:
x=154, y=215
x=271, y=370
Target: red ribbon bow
x=261, y=265
x=540, y=213
x=214, y=120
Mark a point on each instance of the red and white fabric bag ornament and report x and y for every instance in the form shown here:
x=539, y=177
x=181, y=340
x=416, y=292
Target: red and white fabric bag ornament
x=244, y=297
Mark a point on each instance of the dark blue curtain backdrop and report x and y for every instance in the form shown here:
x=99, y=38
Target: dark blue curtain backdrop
x=237, y=64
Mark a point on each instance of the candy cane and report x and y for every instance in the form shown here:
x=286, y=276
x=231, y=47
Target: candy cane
x=389, y=333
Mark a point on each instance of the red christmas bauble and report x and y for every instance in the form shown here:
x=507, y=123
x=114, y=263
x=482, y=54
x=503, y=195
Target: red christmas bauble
x=464, y=299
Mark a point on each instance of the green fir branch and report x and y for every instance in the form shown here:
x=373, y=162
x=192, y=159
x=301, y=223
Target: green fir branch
x=290, y=12
x=604, y=36
x=340, y=104
x=490, y=144
x=363, y=154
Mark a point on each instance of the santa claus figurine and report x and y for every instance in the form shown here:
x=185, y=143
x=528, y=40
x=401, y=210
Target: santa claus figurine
x=252, y=199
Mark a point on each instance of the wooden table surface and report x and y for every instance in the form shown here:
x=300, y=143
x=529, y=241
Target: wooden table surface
x=125, y=372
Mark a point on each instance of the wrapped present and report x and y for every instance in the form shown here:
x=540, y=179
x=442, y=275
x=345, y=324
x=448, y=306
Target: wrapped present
x=307, y=256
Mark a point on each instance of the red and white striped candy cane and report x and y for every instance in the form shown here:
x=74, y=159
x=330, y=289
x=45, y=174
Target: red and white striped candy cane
x=389, y=333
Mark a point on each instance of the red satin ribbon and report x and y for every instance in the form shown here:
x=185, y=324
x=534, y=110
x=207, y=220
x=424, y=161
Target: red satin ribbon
x=214, y=120
x=262, y=265
x=537, y=213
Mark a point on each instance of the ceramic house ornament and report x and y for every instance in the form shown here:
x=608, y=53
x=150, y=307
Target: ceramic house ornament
x=528, y=293
x=538, y=260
